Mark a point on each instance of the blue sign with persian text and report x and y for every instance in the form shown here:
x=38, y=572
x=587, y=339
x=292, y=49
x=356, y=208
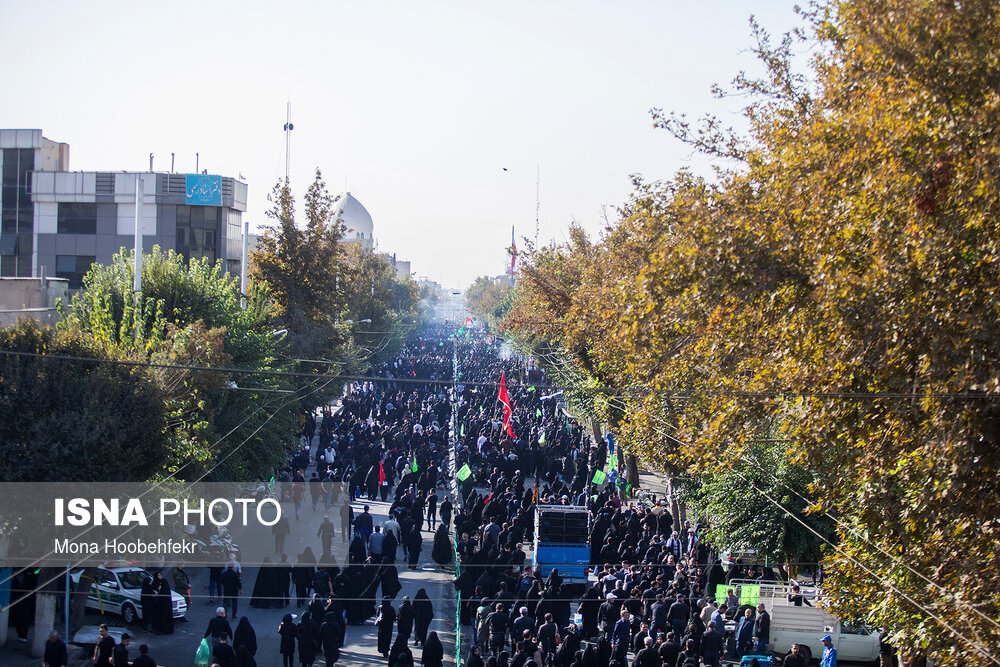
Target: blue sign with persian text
x=203, y=190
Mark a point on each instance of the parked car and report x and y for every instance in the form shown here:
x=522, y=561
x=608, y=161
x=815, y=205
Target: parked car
x=118, y=590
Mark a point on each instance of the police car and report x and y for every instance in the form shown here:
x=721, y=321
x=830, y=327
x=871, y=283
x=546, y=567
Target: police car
x=118, y=590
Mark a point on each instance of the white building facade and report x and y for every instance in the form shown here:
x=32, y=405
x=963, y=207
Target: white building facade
x=58, y=222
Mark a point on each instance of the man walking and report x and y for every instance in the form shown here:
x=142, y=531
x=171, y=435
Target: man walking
x=232, y=588
x=325, y=534
x=55, y=651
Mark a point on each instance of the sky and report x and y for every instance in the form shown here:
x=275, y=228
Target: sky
x=443, y=118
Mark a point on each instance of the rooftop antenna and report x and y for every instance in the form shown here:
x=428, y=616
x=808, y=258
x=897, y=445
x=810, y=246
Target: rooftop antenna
x=538, y=201
x=288, y=141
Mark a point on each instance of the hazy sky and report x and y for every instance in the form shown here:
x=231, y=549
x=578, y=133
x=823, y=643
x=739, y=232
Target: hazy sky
x=415, y=107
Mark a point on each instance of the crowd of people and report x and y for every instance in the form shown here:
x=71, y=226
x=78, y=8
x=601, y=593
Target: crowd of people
x=650, y=599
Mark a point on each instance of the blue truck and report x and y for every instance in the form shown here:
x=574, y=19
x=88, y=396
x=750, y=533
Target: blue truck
x=562, y=541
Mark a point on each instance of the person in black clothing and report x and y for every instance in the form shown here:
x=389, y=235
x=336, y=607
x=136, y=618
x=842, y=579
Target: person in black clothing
x=105, y=648
x=163, y=617
x=245, y=635
x=232, y=588
x=423, y=613
x=646, y=656
x=711, y=646
x=224, y=655
x=385, y=622
x=288, y=632
x=431, y=502
x=689, y=656
x=795, y=658
x=218, y=626
x=445, y=511
x=55, y=652
x=796, y=598
x=331, y=636
x=143, y=660
x=404, y=620
x=669, y=650
x=147, y=598
x=433, y=653
x=121, y=651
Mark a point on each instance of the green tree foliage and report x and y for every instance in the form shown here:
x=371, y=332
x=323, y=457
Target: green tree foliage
x=838, y=288
x=302, y=267
x=742, y=518
x=372, y=291
x=488, y=300
x=75, y=421
x=191, y=315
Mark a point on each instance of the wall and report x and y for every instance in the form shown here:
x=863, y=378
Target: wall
x=25, y=297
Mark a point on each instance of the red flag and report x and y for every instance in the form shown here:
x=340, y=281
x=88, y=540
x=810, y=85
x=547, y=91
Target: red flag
x=505, y=399
x=381, y=474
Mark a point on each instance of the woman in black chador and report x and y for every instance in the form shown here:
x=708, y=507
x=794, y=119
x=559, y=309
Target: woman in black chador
x=163, y=616
x=385, y=621
x=147, y=598
x=266, y=588
x=442, y=553
x=245, y=635
x=423, y=613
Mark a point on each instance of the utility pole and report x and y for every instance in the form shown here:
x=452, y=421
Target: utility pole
x=538, y=200
x=137, y=278
x=288, y=141
x=243, y=264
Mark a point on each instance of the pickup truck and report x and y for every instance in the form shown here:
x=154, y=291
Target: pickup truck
x=806, y=625
x=118, y=590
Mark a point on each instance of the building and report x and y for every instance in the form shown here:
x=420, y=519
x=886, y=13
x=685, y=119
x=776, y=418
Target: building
x=31, y=297
x=357, y=221
x=59, y=222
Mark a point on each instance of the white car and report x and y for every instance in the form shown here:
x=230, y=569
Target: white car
x=118, y=590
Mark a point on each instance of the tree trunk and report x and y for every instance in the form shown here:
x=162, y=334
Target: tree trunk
x=45, y=615
x=78, y=600
x=675, y=507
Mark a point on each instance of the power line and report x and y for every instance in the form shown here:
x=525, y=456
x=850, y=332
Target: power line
x=635, y=389
x=978, y=646
x=894, y=559
x=170, y=476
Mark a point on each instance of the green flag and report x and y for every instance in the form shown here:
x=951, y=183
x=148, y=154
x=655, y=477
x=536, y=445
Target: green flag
x=749, y=594
x=463, y=473
x=613, y=461
x=541, y=438
x=413, y=465
x=569, y=431
x=270, y=485
x=538, y=412
x=461, y=431
x=599, y=477
x=531, y=388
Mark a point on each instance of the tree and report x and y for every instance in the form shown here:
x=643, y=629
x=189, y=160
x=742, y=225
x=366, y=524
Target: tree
x=302, y=267
x=372, y=291
x=67, y=421
x=742, y=518
x=836, y=288
x=488, y=300
x=190, y=314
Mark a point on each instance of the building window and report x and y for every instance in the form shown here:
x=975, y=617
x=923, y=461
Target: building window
x=77, y=218
x=73, y=268
x=17, y=209
x=198, y=232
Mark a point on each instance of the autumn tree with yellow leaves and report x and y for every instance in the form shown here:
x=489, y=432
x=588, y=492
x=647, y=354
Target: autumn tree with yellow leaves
x=836, y=290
